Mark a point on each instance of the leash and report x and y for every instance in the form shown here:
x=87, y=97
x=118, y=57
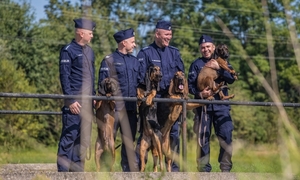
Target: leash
x=203, y=111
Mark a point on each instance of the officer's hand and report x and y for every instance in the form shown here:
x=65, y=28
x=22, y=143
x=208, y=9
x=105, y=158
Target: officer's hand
x=206, y=92
x=75, y=108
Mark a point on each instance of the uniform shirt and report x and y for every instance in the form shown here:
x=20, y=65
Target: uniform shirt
x=167, y=58
x=194, y=70
x=76, y=68
x=124, y=68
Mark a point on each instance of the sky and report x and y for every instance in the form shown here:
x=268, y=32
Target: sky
x=38, y=6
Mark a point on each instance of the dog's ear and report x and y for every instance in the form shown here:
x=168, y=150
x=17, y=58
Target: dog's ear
x=158, y=87
x=215, y=54
x=115, y=86
x=171, y=88
x=147, y=79
x=101, y=87
x=186, y=89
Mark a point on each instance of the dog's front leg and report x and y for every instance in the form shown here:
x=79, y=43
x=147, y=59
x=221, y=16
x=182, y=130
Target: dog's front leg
x=150, y=97
x=140, y=95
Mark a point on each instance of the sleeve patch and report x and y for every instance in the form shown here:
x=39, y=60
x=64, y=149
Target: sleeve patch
x=104, y=69
x=64, y=60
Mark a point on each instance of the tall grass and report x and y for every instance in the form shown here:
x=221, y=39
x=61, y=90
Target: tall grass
x=246, y=158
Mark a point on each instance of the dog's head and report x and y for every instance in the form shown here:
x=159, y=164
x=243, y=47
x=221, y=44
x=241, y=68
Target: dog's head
x=108, y=87
x=178, y=84
x=221, y=51
x=153, y=77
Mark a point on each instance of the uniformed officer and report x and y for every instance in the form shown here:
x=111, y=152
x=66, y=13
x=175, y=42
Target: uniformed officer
x=217, y=115
x=123, y=66
x=76, y=68
x=168, y=58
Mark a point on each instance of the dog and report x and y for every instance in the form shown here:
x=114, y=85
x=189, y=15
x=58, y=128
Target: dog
x=170, y=112
x=149, y=90
x=105, y=111
x=151, y=137
x=208, y=74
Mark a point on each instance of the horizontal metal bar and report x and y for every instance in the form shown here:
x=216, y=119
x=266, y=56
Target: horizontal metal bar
x=30, y=112
x=118, y=98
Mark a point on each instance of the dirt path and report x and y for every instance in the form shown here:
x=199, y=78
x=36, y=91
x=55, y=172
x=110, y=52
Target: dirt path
x=49, y=171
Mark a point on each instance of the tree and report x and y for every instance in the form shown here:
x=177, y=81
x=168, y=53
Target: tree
x=18, y=130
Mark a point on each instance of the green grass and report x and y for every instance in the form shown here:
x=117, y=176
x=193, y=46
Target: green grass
x=246, y=158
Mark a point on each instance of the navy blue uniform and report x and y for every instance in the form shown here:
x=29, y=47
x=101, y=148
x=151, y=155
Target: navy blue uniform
x=169, y=60
x=124, y=68
x=76, y=69
x=218, y=115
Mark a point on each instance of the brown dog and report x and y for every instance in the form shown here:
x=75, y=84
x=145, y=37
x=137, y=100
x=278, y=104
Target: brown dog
x=105, y=111
x=208, y=74
x=170, y=112
x=152, y=79
x=151, y=137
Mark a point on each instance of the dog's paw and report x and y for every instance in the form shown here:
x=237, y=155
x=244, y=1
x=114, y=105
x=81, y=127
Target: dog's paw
x=148, y=101
x=210, y=98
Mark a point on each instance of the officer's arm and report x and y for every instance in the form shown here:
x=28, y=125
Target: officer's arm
x=226, y=76
x=93, y=66
x=142, y=68
x=65, y=64
x=103, y=72
x=179, y=62
x=192, y=80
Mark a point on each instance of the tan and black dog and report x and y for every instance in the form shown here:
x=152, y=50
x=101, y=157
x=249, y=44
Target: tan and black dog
x=169, y=112
x=208, y=74
x=151, y=137
x=105, y=112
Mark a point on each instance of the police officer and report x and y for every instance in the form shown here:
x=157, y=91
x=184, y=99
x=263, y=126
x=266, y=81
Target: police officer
x=76, y=68
x=168, y=58
x=217, y=115
x=123, y=66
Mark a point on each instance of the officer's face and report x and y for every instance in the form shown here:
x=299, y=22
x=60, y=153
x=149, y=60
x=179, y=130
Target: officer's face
x=207, y=49
x=87, y=36
x=163, y=37
x=129, y=45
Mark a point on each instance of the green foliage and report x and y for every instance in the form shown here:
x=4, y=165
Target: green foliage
x=17, y=130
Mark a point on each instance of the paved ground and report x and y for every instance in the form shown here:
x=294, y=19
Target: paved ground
x=48, y=171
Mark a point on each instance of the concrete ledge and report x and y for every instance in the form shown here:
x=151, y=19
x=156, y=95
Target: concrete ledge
x=48, y=171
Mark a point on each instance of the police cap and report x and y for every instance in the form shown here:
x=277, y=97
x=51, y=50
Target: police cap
x=84, y=24
x=205, y=39
x=162, y=24
x=123, y=34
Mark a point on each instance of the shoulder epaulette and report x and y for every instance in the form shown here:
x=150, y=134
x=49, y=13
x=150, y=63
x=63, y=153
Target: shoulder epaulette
x=132, y=56
x=66, y=47
x=108, y=56
x=172, y=47
x=147, y=47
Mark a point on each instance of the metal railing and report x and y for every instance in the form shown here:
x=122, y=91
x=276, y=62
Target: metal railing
x=183, y=101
